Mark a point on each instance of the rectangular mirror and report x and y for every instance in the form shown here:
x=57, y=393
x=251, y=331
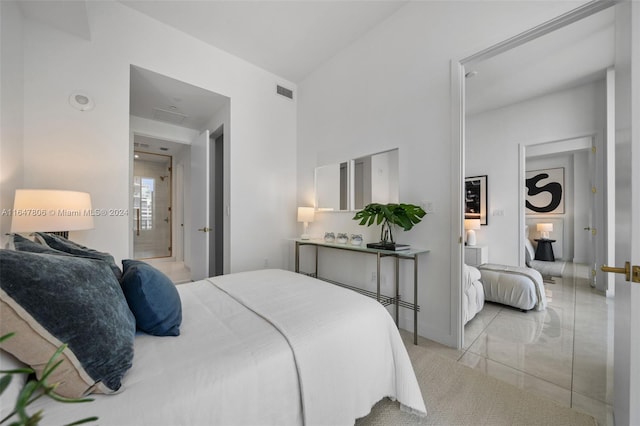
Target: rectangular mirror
x=375, y=179
x=332, y=187
x=354, y=184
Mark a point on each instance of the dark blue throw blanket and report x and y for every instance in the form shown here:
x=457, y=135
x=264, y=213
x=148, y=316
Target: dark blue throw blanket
x=79, y=301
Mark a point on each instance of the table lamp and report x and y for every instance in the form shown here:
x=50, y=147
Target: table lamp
x=47, y=210
x=544, y=229
x=305, y=215
x=471, y=225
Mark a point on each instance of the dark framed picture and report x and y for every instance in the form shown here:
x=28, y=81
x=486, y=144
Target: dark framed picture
x=475, y=198
x=545, y=191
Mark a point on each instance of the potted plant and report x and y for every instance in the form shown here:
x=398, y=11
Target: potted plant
x=402, y=215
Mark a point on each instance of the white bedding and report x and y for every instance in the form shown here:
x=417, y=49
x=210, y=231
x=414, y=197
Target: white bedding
x=473, y=294
x=231, y=366
x=522, y=288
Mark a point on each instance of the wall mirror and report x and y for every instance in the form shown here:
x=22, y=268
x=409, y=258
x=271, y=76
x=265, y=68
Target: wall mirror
x=351, y=185
x=332, y=187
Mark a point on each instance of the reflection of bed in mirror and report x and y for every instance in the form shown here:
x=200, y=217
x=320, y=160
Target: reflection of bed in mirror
x=473, y=293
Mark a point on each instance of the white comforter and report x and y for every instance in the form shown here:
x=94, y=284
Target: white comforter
x=231, y=366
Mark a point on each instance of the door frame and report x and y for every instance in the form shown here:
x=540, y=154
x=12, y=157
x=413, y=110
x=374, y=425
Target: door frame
x=588, y=143
x=172, y=202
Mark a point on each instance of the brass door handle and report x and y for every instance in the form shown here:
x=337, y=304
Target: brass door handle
x=631, y=273
x=205, y=229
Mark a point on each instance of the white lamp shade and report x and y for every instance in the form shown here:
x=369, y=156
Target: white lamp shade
x=305, y=214
x=471, y=224
x=46, y=210
x=544, y=227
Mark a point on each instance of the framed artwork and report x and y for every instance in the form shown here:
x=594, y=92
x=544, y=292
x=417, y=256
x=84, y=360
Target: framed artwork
x=544, y=191
x=475, y=198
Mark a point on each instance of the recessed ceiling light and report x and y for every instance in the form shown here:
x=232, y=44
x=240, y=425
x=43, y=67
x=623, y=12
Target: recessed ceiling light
x=81, y=101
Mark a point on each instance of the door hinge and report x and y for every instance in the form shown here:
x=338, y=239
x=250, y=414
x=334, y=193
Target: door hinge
x=593, y=149
x=594, y=231
x=594, y=189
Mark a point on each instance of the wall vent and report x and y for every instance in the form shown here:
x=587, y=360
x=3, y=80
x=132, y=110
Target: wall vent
x=283, y=91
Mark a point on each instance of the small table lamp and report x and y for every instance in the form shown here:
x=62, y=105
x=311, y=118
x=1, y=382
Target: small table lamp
x=471, y=225
x=544, y=229
x=46, y=210
x=305, y=215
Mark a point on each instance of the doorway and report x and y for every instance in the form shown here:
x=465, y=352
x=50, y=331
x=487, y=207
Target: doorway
x=216, y=208
x=152, y=195
x=168, y=116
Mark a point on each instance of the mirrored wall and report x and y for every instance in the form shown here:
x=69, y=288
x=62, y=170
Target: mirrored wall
x=352, y=184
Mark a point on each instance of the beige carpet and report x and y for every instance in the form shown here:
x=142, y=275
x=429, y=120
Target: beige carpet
x=458, y=395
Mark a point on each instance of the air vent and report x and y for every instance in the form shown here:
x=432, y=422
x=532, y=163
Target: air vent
x=168, y=116
x=283, y=91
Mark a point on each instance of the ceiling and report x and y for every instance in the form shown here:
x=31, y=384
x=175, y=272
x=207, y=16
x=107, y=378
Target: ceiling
x=576, y=54
x=289, y=38
x=293, y=38
x=157, y=97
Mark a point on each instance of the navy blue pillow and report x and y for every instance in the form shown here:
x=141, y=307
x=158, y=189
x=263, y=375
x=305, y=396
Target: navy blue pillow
x=62, y=244
x=21, y=243
x=152, y=298
x=48, y=300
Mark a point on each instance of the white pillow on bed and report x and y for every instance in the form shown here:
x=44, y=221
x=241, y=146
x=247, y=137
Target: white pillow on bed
x=529, y=252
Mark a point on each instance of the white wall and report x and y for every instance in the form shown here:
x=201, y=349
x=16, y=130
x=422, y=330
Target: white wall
x=389, y=89
x=492, y=148
x=11, y=109
x=89, y=151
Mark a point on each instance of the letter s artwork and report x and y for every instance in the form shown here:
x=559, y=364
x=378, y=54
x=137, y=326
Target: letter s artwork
x=545, y=192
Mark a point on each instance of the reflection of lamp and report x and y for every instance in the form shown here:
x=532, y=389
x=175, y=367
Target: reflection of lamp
x=305, y=215
x=544, y=229
x=471, y=225
x=46, y=210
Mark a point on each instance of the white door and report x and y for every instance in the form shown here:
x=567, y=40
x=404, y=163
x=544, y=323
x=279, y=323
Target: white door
x=627, y=193
x=200, y=228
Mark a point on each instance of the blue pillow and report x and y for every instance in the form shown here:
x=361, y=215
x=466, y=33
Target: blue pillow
x=152, y=298
x=21, y=243
x=57, y=242
x=48, y=300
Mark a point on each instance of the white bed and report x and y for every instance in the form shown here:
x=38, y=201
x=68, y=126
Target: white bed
x=257, y=348
x=473, y=299
x=515, y=286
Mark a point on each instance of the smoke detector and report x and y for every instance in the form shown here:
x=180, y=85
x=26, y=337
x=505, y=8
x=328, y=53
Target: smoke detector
x=81, y=101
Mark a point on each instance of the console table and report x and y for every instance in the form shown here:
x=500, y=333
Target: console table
x=411, y=255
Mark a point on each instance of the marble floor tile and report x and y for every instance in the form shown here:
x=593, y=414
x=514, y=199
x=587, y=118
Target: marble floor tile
x=603, y=413
x=176, y=271
x=564, y=353
x=542, y=351
x=518, y=378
